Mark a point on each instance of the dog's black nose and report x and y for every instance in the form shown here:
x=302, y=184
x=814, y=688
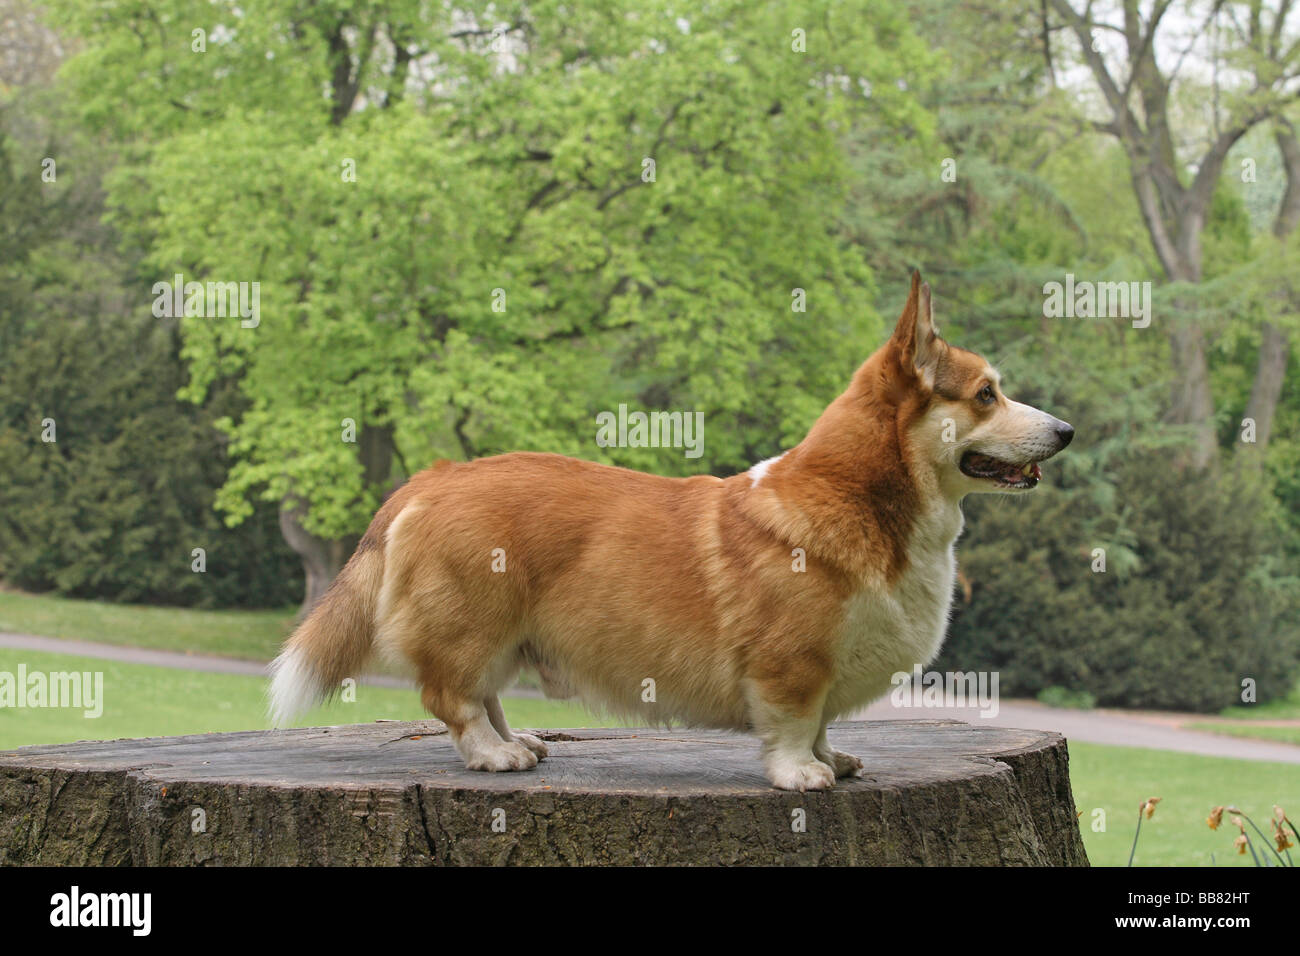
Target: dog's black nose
x=1064, y=433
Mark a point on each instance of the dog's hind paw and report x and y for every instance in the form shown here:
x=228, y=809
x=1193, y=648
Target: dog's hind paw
x=844, y=765
x=508, y=756
x=534, y=744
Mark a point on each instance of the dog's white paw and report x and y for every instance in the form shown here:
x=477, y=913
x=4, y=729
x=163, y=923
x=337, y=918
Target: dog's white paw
x=844, y=765
x=534, y=744
x=508, y=756
x=809, y=775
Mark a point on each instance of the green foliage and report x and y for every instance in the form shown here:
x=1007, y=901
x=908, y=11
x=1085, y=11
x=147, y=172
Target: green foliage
x=1035, y=197
x=114, y=506
x=521, y=171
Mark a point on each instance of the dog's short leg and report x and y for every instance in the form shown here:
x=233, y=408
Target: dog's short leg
x=472, y=732
x=492, y=704
x=844, y=765
x=454, y=673
x=788, y=735
x=478, y=741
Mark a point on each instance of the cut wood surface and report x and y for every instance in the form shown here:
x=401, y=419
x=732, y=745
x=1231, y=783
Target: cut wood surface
x=934, y=793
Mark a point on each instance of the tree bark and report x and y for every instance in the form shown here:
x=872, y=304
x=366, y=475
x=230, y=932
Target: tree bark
x=935, y=793
x=1266, y=391
x=1288, y=212
x=1190, y=402
x=322, y=558
x=1274, y=343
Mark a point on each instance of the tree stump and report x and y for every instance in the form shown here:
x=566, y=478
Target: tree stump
x=936, y=792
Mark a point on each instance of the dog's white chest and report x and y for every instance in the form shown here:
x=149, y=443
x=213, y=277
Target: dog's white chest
x=890, y=628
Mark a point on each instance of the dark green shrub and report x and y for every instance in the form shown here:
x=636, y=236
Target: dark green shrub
x=1196, y=597
x=115, y=506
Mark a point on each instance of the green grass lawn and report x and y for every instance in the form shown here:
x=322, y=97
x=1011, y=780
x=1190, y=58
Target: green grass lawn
x=247, y=635
x=1283, y=708
x=1118, y=779
x=1286, y=735
x=145, y=701
x=251, y=635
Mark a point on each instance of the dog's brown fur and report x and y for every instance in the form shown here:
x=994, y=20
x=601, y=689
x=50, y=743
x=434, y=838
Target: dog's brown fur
x=613, y=578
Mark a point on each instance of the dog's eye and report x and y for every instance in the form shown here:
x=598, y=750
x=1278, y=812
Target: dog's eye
x=986, y=394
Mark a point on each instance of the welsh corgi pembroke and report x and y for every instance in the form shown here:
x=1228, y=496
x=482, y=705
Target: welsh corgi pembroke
x=772, y=601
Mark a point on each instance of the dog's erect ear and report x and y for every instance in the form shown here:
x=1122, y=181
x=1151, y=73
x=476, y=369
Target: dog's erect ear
x=915, y=335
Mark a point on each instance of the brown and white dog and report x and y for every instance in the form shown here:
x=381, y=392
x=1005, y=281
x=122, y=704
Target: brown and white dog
x=773, y=601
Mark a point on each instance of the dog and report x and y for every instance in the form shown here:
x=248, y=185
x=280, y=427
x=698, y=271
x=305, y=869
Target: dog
x=772, y=601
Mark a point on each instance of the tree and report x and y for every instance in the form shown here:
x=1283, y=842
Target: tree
x=555, y=210
x=109, y=480
x=1275, y=333
x=1137, y=93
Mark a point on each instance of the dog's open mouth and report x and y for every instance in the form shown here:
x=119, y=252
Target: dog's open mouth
x=1004, y=473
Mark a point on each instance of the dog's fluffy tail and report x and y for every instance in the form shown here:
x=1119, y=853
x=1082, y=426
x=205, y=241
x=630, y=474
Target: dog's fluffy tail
x=332, y=642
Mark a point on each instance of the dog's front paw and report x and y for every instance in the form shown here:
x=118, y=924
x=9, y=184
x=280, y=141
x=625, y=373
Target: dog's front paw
x=535, y=745
x=809, y=775
x=844, y=765
x=508, y=756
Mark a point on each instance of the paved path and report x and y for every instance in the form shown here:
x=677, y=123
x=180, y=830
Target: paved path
x=1159, y=731
x=1120, y=728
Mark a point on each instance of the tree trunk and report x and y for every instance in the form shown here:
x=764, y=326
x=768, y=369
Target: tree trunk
x=935, y=793
x=1177, y=242
x=1190, y=402
x=1270, y=373
x=1274, y=346
x=375, y=447
x=322, y=558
